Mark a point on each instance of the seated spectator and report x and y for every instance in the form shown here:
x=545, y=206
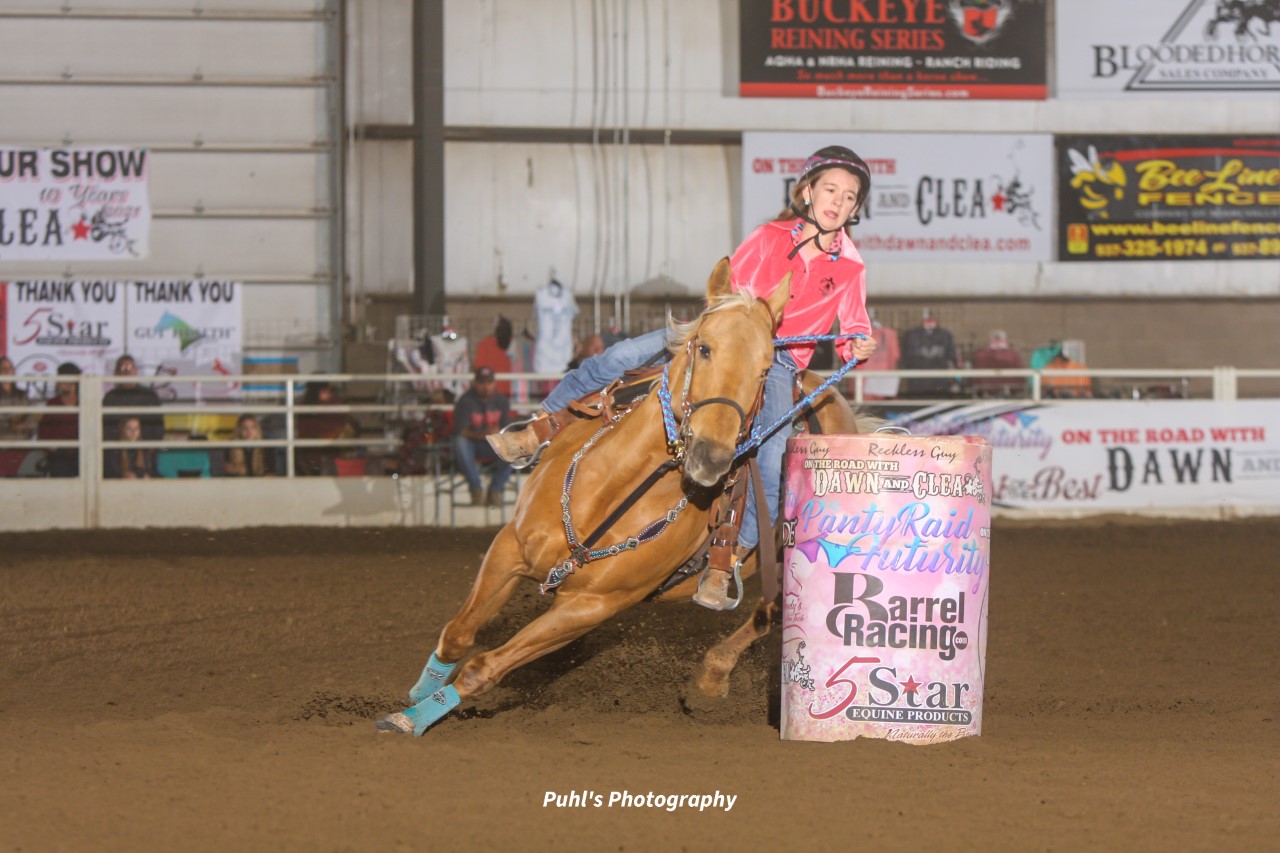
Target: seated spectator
x=62, y=461
x=480, y=411
x=1065, y=386
x=13, y=427
x=129, y=464
x=318, y=461
x=125, y=393
x=249, y=461
x=998, y=355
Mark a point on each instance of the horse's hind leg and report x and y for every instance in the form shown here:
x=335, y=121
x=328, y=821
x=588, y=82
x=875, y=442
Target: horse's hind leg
x=569, y=617
x=712, y=680
x=493, y=587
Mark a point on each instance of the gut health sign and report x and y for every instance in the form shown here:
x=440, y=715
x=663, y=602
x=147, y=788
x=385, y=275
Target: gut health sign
x=885, y=575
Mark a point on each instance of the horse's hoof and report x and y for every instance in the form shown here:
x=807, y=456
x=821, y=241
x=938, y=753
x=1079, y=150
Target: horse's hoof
x=397, y=722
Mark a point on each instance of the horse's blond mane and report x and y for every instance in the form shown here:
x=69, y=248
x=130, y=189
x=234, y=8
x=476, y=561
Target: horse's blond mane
x=678, y=333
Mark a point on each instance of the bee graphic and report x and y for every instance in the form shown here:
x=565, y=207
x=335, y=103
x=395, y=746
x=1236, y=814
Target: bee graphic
x=1096, y=181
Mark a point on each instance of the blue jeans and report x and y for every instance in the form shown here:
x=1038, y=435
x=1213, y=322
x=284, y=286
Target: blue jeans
x=598, y=371
x=464, y=455
x=777, y=402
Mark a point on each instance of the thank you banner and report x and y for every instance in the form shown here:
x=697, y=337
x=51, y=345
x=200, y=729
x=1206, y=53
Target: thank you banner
x=964, y=197
x=68, y=204
x=169, y=327
x=940, y=49
x=1168, y=198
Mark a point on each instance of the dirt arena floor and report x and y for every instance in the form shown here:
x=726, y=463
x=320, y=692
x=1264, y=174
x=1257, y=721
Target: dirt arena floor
x=191, y=690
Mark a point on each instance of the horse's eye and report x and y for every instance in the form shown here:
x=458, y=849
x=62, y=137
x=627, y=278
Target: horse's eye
x=704, y=351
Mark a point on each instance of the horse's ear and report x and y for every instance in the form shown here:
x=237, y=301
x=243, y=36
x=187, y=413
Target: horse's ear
x=778, y=299
x=721, y=281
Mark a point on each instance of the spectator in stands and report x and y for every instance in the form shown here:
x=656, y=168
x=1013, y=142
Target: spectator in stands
x=494, y=351
x=62, y=461
x=1065, y=386
x=249, y=461
x=13, y=427
x=998, y=355
x=125, y=393
x=318, y=461
x=479, y=412
x=129, y=464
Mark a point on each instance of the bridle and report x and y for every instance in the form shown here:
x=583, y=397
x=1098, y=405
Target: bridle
x=680, y=433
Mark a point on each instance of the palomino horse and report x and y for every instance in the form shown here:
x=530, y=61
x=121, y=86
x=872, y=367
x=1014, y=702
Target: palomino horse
x=720, y=361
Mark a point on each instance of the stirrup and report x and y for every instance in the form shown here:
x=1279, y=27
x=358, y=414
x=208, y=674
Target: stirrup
x=729, y=603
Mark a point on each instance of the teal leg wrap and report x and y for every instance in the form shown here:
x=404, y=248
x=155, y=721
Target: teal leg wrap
x=433, y=677
x=432, y=709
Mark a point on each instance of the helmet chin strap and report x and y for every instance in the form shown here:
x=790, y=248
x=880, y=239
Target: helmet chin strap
x=821, y=231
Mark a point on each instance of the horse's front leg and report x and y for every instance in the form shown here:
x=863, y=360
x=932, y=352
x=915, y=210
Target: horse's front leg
x=569, y=617
x=493, y=587
x=712, y=679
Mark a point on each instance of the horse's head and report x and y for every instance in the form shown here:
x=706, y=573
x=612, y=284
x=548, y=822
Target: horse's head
x=718, y=372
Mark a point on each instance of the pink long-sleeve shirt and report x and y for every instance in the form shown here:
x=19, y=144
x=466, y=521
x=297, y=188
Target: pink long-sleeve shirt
x=822, y=290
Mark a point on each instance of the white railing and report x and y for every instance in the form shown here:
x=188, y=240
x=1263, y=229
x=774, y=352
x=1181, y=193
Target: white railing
x=393, y=411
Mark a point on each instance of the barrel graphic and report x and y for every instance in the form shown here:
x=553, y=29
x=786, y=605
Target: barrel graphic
x=885, y=575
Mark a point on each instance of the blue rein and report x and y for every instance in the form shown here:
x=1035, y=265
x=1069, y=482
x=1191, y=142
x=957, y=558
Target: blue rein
x=758, y=435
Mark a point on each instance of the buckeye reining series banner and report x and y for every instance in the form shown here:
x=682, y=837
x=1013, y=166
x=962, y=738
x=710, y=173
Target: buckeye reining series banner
x=1142, y=48
x=74, y=204
x=893, y=49
x=1168, y=198
x=971, y=197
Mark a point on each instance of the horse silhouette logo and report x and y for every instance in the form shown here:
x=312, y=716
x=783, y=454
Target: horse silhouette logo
x=1243, y=13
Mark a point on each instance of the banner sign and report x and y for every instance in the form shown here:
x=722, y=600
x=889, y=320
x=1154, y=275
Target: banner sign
x=952, y=49
x=1108, y=455
x=1167, y=47
x=188, y=328
x=1168, y=198
x=169, y=327
x=49, y=322
x=963, y=197
x=74, y=204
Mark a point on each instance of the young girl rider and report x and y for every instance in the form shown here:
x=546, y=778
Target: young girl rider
x=808, y=239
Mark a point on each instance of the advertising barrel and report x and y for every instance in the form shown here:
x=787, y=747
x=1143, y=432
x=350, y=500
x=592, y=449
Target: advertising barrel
x=885, y=576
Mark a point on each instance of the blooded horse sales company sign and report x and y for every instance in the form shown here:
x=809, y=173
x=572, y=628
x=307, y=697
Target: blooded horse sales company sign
x=1173, y=47
x=978, y=197
x=1168, y=198
x=893, y=49
x=69, y=204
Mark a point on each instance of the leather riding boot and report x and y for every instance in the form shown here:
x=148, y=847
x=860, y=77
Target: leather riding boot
x=477, y=497
x=713, y=588
x=493, y=499
x=519, y=446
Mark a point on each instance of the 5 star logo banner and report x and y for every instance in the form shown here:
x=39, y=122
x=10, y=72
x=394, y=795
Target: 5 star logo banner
x=1168, y=47
x=915, y=49
x=962, y=197
x=74, y=204
x=1166, y=198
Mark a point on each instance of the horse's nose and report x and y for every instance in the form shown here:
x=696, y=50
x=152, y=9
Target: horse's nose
x=706, y=461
